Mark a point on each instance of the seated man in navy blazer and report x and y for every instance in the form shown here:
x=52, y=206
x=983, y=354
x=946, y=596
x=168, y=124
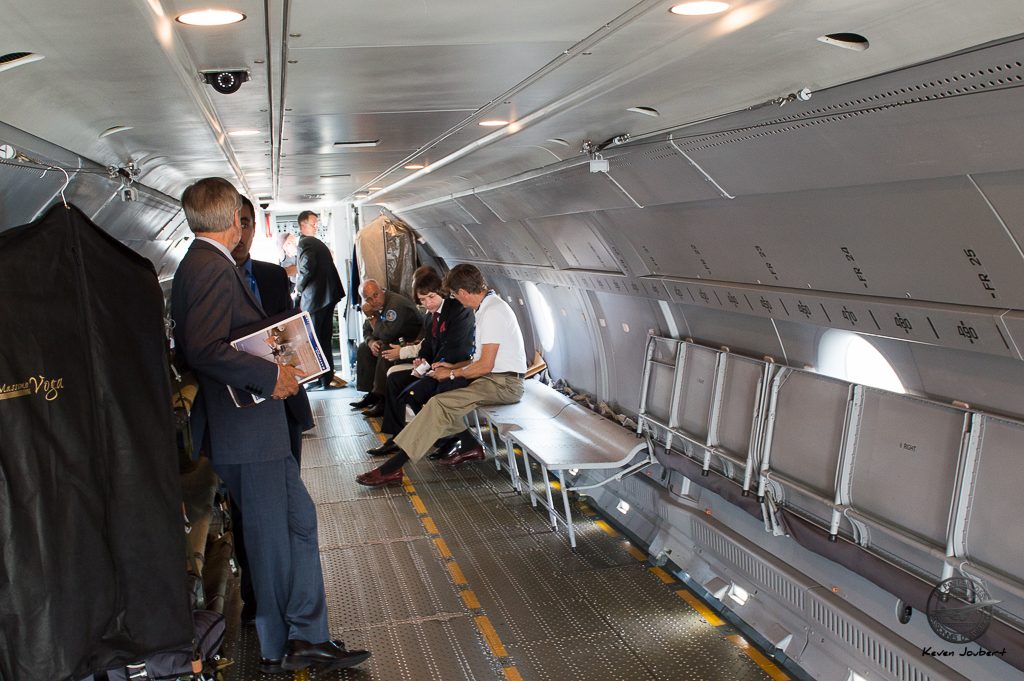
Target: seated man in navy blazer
x=250, y=448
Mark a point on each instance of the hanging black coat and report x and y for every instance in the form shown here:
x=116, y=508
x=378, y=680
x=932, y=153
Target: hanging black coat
x=92, y=570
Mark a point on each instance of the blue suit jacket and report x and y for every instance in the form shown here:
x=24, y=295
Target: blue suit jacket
x=208, y=300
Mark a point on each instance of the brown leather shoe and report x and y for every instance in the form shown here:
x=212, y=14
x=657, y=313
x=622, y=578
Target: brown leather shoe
x=326, y=656
x=474, y=454
x=375, y=478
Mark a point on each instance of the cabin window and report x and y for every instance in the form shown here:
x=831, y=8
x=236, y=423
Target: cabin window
x=851, y=357
x=540, y=311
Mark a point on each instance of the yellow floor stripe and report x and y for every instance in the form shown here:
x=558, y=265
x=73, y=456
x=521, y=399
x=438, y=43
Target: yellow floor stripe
x=665, y=577
x=470, y=599
x=490, y=635
x=442, y=547
x=705, y=612
x=456, y=571
x=636, y=553
x=609, y=530
x=512, y=674
x=760, y=660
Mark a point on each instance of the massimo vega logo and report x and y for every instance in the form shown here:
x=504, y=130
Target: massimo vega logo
x=48, y=388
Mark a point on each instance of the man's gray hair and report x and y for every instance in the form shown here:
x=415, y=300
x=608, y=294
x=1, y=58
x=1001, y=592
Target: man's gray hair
x=210, y=205
x=362, y=287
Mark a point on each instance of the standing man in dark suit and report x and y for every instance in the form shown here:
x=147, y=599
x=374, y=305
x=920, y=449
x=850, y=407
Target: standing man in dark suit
x=269, y=284
x=249, y=448
x=318, y=286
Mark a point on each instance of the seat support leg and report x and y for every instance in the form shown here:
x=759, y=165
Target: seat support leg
x=529, y=476
x=568, y=512
x=513, y=466
x=551, y=502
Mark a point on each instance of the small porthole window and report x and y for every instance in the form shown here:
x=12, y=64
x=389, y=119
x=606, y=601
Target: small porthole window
x=849, y=357
x=540, y=312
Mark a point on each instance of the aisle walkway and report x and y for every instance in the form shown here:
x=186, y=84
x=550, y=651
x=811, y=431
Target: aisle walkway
x=455, y=577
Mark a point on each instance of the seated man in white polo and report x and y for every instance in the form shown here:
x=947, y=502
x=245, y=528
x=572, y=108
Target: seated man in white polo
x=495, y=373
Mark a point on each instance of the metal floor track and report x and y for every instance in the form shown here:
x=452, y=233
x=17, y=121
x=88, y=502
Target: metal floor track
x=453, y=576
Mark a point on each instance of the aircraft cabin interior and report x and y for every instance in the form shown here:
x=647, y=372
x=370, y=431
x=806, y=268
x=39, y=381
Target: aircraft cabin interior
x=763, y=257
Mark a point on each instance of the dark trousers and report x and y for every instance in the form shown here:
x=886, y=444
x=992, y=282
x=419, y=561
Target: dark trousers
x=405, y=389
x=248, y=592
x=394, y=410
x=366, y=368
x=323, y=327
x=283, y=552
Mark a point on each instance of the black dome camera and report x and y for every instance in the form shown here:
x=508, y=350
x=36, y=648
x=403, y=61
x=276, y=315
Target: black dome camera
x=226, y=82
x=264, y=205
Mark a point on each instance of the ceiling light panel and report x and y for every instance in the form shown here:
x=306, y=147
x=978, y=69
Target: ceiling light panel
x=701, y=8
x=211, y=17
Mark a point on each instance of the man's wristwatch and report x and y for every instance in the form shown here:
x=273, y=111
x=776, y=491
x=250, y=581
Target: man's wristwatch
x=451, y=375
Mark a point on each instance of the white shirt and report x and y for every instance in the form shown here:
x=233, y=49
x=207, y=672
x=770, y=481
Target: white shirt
x=496, y=323
x=220, y=247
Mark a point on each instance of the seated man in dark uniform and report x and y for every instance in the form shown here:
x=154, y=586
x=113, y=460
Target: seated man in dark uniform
x=392, y=317
x=448, y=337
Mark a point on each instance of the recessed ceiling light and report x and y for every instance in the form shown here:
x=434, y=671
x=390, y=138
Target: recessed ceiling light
x=361, y=143
x=493, y=123
x=114, y=130
x=693, y=9
x=243, y=133
x=645, y=110
x=375, y=189
x=414, y=166
x=849, y=41
x=211, y=17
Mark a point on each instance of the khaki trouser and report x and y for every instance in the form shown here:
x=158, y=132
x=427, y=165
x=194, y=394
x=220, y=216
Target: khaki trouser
x=443, y=414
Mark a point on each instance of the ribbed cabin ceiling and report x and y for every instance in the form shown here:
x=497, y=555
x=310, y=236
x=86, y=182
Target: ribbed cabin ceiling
x=407, y=73
x=891, y=206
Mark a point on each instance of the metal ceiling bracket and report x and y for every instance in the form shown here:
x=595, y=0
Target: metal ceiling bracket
x=703, y=172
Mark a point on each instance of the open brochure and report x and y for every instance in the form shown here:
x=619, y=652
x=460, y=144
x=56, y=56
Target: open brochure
x=283, y=340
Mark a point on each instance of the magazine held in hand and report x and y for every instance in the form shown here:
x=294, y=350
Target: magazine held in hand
x=288, y=339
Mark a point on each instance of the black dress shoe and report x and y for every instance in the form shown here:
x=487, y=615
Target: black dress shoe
x=384, y=449
x=367, y=401
x=271, y=666
x=444, y=451
x=474, y=454
x=376, y=410
x=326, y=656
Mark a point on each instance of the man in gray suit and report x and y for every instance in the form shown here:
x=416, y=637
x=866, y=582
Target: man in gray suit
x=250, y=448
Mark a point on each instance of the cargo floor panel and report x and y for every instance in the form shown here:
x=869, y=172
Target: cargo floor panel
x=457, y=577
